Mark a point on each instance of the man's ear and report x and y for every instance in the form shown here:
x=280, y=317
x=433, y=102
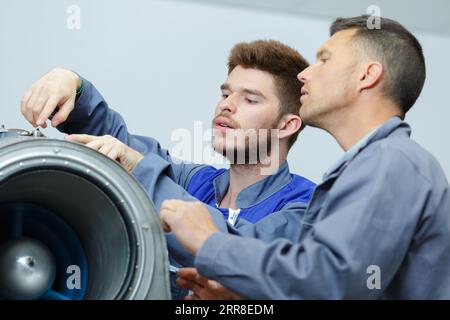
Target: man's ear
x=370, y=75
x=288, y=125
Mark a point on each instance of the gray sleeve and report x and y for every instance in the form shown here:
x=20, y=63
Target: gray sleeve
x=365, y=221
x=93, y=116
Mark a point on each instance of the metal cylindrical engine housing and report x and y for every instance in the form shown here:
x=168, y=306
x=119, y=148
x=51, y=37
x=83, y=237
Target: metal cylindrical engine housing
x=45, y=183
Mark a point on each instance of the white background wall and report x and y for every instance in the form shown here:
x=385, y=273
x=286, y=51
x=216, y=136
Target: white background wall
x=160, y=64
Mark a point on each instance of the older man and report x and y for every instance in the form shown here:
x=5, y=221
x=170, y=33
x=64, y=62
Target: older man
x=378, y=226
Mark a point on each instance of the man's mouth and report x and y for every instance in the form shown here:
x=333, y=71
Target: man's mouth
x=303, y=94
x=223, y=124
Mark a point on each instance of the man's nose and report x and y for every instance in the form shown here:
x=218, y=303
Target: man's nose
x=304, y=75
x=228, y=105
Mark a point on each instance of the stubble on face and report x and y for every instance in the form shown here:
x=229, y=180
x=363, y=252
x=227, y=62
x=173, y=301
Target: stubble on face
x=247, y=146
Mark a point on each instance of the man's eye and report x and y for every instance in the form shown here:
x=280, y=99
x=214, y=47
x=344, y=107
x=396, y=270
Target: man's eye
x=224, y=96
x=250, y=101
x=323, y=60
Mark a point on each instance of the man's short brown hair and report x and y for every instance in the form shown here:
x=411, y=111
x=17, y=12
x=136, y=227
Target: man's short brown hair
x=398, y=50
x=280, y=60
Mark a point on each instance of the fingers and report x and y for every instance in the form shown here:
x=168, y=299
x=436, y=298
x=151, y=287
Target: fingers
x=190, y=221
x=63, y=112
x=168, y=208
x=50, y=105
x=188, y=273
x=211, y=291
x=203, y=281
x=23, y=106
x=107, y=145
x=214, y=285
x=190, y=285
x=28, y=103
x=58, y=87
x=191, y=274
x=31, y=105
x=81, y=138
x=34, y=102
x=39, y=104
x=164, y=224
x=111, y=147
x=95, y=144
x=114, y=153
x=190, y=279
x=203, y=288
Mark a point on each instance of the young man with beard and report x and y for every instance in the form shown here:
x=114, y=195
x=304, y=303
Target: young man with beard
x=378, y=226
x=260, y=94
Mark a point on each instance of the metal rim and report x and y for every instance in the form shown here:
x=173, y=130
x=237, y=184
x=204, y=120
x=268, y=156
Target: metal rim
x=25, y=154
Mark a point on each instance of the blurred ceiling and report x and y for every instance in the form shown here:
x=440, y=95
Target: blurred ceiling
x=432, y=16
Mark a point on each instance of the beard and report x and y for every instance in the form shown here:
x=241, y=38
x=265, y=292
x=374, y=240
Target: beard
x=258, y=145
x=250, y=154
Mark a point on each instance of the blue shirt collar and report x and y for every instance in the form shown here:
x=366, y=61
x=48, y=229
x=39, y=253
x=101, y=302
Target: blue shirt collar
x=378, y=133
x=256, y=192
